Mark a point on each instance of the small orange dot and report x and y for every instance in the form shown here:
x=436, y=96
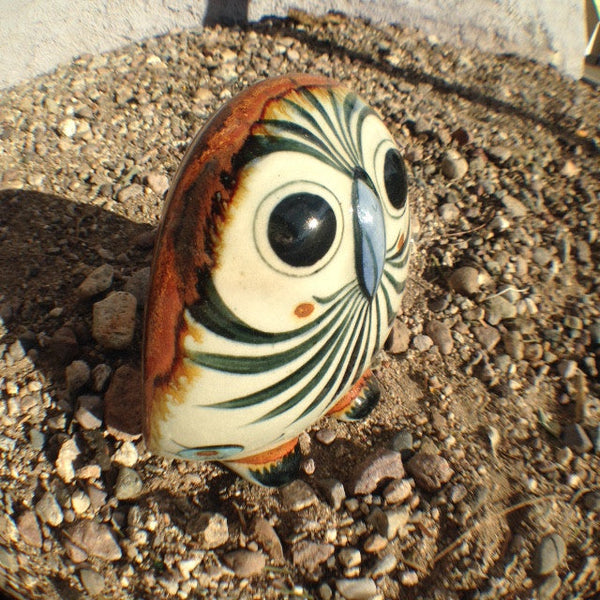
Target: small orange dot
x=304, y=309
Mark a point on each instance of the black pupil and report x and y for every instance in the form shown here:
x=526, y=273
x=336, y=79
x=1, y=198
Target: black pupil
x=301, y=229
x=394, y=175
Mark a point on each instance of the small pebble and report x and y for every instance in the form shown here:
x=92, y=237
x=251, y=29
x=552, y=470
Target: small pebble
x=114, y=320
x=453, y=165
x=384, y=464
x=383, y=566
x=309, y=555
x=398, y=340
x=441, y=336
x=129, y=484
x=126, y=455
x=88, y=537
x=98, y=281
x=349, y=557
x=298, y=495
x=422, y=342
x=267, y=537
x=363, y=588
x=430, y=471
x=398, y=490
x=549, y=587
x=465, y=280
x=245, y=563
x=49, y=510
x=29, y=529
x=499, y=309
x=92, y=581
x=575, y=437
x=334, y=492
x=64, y=462
x=325, y=436
x=550, y=552
x=212, y=530
x=77, y=374
x=592, y=501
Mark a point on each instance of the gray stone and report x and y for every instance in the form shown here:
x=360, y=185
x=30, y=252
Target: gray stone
x=212, y=530
x=77, y=374
x=453, y=165
x=349, y=557
x=403, y=441
x=388, y=523
x=399, y=338
x=92, y=581
x=422, y=342
x=362, y=588
x=397, y=490
x=567, y=368
x=595, y=438
x=92, y=539
x=88, y=412
x=465, y=280
x=384, y=464
x=592, y=501
x=29, y=529
x=487, y=336
x=309, y=555
x=114, y=320
x=575, y=437
x=325, y=436
x=266, y=536
x=8, y=561
x=67, y=128
x=298, y=495
x=449, y=212
x=129, y=484
x=334, y=492
x=499, y=153
x=157, y=182
x=100, y=377
x=499, y=309
x=514, y=345
x=549, y=587
x=98, y=281
x=514, y=207
x=130, y=192
x=441, y=335
x=64, y=461
x=550, y=552
x=138, y=285
x=429, y=471
x=49, y=510
x=245, y=563
x=384, y=565
x=542, y=256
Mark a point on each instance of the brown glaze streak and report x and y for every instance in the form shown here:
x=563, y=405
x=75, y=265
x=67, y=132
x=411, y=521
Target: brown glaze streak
x=195, y=208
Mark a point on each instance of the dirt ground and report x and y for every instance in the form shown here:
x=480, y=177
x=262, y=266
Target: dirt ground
x=493, y=371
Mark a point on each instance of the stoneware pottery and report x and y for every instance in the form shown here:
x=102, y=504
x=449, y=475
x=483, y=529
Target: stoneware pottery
x=278, y=270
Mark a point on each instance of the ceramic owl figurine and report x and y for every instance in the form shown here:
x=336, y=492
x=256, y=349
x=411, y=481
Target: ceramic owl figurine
x=278, y=271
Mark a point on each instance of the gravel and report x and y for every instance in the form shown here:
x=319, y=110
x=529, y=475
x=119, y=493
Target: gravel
x=502, y=156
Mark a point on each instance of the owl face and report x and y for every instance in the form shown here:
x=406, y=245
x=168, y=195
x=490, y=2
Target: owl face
x=278, y=272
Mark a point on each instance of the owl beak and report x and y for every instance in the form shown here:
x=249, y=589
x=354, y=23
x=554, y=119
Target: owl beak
x=369, y=234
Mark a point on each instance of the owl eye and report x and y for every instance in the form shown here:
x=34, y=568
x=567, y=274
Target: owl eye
x=394, y=177
x=301, y=229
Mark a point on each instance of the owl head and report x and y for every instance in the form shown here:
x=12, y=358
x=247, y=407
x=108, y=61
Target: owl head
x=278, y=270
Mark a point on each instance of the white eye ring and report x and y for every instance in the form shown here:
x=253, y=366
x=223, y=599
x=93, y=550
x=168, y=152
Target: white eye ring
x=261, y=226
x=378, y=169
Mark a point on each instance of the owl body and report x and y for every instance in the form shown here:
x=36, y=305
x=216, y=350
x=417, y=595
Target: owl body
x=278, y=270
